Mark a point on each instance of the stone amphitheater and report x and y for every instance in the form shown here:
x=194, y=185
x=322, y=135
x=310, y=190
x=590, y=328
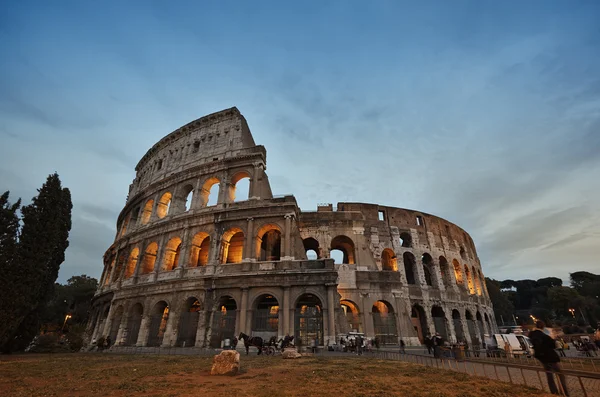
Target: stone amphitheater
x=204, y=251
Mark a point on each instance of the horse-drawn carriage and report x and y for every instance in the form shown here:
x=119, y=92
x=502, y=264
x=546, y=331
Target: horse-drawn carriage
x=268, y=348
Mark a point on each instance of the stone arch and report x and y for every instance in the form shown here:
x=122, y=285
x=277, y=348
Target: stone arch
x=172, y=251
x=389, y=260
x=147, y=212
x=312, y=244
x=158, y=323
x=457, y=272
x=164, y=205
x=232, y=246
x=445, y=270
x=134, y=322
x=439, y=320
x=427, y=262
x=119, y=266
x=384, y=322
x=471, y=326
x=419, y=321
x=235, y=179
x=469, y=278
x=265, y=316
x=149, y=258
x=125, y=225
x=308, y=319
x=199, y=250
x=208, y=195
x=346, y=245
x=268, y=242
x=135, y=213
x=132, y=262
x=111, y=264
x=409, y=267
x=406, y=240
x=352, y=315
x=479, y=320
x=116, y=324
x=458, y=327
x=463, y=253
x=188, y=322
x=477, y=281
x=224, y=318
x=187, y=197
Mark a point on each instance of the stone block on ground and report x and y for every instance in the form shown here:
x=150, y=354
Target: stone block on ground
x=226, y=363
x=290, y=353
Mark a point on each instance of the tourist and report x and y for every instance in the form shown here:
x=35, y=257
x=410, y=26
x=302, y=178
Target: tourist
x=402, y=347
x=437, y=341
x=560, y=348
x=543, y=346
x=428, y=343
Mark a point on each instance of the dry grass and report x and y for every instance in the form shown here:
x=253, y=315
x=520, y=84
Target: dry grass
x=114, y=375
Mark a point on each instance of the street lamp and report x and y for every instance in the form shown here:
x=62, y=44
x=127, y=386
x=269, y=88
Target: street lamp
x=572, y=312
x=68, y=316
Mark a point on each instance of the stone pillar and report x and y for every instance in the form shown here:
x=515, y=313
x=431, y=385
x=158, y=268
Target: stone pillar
x=224, y=190
x=159, y=258
x=109, y=319
x=331, y=313
x=197, y=197
x=114, y=266
x=122, y=331
x=244, y=311
x=153, y=216
x=254, y=186
x=429, y=319
x=201, y=330
x=286, y=242
x=286, y=310
x=450, y=326
x=215, y=249
x=170, y=336
x=420, y=274
x=249, y=241
x=368, y=327
x=144, y=331
x=184, y=259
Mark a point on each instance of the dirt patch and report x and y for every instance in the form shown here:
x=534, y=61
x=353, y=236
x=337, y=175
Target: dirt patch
x=114, y=375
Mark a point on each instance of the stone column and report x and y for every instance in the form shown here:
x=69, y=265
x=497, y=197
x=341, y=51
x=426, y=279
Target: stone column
x=450, y=326
x=159, y=258
x=171, y=329
x=331, y=312
x=215, y=249
x=153, y=216
x=122, y=331
x=286, y=310
x=244, y=311
x=197, y=197
x=286, y=243
x=201, y=330
x=184, y=259
x=249, y=241
x=144, y=331
x=429, y=319
x=254, y=186
x=420, y=274
x=368, y=327
x=114, y=266
x=109, y=319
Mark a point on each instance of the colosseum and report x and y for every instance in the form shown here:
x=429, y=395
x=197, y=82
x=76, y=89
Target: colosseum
x=197, y=258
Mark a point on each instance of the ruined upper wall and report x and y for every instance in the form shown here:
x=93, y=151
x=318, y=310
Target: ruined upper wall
x=215, y=137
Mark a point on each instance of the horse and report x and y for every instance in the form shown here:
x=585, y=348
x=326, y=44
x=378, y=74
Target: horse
x=255, y=341
x=285, y=342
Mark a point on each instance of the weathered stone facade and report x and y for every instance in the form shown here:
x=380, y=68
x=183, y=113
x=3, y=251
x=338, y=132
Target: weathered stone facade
x=188, y=270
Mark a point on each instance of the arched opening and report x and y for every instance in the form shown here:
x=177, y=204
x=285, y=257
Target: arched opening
x=158, y=323
x=135, y=216
x=463, y=253
x=133, y=324
x=445, y=270
x=125, y=224
x=187, y=193
x=109, y=271
x=405, y=240
x=268, y=243
x=199, y=249
x=132, y=262
x=265, y=317
x=469, y=278
x=409, y=267
x=172, y=251
x=471, y=326
x=487, y=323
x=481, y=327
x=239, y=189
x=457, y=272
x=352, y=316
x=458, y=328
x=311, y=244
x=419, y=322
x=346, y=245
x=116, y=324
x=388, y=260
x=477, y=281
x=188, y=323
x=119, y=268
x=209, y=194
x=439, y=320
x=384, y=323
x=427, y=261
x=164, y=204
x=309, y=319
x=147, y=213
x=224, y=318
x=149, y=258
x=232, y=246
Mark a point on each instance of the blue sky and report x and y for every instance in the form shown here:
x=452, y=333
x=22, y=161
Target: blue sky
x=484, y=113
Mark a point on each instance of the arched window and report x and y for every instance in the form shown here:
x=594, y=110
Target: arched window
x=147, y=212
x=409, y=267
x=439, y=320
x=352, y=316
x=311, y=244
x=469, y=280
x=172, y=250
x=188, y=323
x=199, y=250
x=239, y=189
x=457, y=272
x=477, y=281
x=405, y=240
x=149, y=258
x=158, y=324
x=120, y=263
x=116, y=324
x=223, y=326
x=445, y=270
x=265, y=317
x=388, y=260
x=346, y=246
x=125, y=224
x=458, y=328
x=384, y=323
x=209, y=194
x=232, y=246
x=419, y=321
x=268, y=243
x=427, y=268
x=133, y=324
x=309, y=319
x=131, y=262
x=187, y=194
x=163, y=206
x=463, y=253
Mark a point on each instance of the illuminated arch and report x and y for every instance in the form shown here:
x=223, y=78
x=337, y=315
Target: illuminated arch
x=346, y=245
x=149, y=258
x=268, y=242
x=132, y=262
x=171, y=257
x=389, y=260
x=232, y=246
x=199, y=250
x=164, y=204
x=147, y=213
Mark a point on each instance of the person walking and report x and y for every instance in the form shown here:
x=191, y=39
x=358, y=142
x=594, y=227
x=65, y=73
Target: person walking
x=543, y=346
x=428, y=343
x=402, y=347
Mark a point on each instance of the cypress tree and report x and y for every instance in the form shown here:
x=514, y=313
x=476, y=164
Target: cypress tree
x=41, y=251
x=9, y=229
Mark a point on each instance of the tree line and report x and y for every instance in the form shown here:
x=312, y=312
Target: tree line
x=575, y=308
x=33, y=240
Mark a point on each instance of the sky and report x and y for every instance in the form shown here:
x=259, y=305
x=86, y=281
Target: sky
x=484, y=113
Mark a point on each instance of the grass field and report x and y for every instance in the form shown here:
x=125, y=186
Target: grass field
x=127, y=375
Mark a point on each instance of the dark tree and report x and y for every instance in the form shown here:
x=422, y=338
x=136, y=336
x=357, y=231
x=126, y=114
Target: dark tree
x=41, y=250
x=9, y=269
x=73, y=298
x=503, y=307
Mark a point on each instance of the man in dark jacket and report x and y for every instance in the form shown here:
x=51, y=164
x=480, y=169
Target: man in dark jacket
x=543, y=346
